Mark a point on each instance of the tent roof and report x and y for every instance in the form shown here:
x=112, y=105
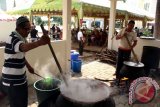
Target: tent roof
x=54, y=7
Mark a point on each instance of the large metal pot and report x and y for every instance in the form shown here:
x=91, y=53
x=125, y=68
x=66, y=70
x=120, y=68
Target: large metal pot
x=65, y=100
x=132, y=70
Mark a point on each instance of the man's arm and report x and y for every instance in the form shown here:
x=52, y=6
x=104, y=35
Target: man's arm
x=134, y=43
x=82, y=38
x=24, y=47
x=120, y=35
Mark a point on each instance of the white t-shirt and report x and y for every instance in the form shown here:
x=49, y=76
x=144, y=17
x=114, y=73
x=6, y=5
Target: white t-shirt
x=132, y=36
x=79, y=35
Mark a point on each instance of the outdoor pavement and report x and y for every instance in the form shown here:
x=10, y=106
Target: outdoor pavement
x=93, y=68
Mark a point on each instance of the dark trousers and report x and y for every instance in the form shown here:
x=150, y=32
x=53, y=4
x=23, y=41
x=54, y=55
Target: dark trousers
x=80, y=48
x=18, y=95
x=123, y=55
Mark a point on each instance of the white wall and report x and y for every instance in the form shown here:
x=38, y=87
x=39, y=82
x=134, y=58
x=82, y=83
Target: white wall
x=5, y=28
x=42, y=61
x=139, y=48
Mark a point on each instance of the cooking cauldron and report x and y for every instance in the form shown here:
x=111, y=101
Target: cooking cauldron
x=47, y=93
x=132, y=70
x=65, y=100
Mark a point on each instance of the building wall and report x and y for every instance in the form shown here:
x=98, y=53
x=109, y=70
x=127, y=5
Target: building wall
x=3, y=5
x=152, y=9
x=6, y=27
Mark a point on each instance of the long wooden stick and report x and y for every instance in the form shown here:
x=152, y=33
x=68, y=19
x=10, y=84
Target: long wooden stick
x=135, y=56
x=54, y=56
x=39, y=75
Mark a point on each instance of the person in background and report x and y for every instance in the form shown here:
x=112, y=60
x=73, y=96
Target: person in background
x=34, y=33
x=80, y=41
x=124, y=50
x=58, y=31
x=53, y=28
x=14, y=82
x=53, y=31
x=137, y=31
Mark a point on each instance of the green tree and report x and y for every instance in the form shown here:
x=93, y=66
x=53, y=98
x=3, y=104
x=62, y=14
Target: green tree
x=38, y=20
x=57, y=20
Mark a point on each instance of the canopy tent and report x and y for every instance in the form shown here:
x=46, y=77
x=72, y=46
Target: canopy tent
x=41, y=7
x=54, y=7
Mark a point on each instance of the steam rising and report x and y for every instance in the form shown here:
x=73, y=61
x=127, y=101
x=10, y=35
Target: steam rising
x=47, y=70
x=85, y=90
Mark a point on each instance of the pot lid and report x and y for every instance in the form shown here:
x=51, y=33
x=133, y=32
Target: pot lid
x=133, y=64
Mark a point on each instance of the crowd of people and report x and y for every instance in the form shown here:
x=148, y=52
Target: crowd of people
x=95, y=37
x=56, y=32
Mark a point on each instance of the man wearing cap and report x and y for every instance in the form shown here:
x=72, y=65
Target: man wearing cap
x=14, y=81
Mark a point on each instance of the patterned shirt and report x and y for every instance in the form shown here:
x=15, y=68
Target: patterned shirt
x=15, y=64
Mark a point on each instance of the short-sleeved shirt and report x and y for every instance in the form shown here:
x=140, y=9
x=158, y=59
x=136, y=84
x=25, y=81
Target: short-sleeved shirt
x=132, y=36
x=79, y=35
x=14, y=63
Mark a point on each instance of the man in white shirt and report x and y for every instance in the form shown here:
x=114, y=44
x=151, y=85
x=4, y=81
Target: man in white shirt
x=81, y=42
x=124, y=50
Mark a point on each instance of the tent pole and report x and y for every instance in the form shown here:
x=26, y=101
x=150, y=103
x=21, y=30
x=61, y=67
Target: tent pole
x=31, y=16
x=49, y=22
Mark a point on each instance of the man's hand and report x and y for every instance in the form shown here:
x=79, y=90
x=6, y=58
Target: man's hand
x=44, y=40
x=121, y=36
x=125, y=34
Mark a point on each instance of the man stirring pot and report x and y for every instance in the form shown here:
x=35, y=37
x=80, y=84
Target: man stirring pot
x=124, y=50
x=14, y=81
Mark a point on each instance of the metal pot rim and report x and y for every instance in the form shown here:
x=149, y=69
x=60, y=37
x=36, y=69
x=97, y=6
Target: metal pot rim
x=75, y=101
x=133, y=64
x=58, y=86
